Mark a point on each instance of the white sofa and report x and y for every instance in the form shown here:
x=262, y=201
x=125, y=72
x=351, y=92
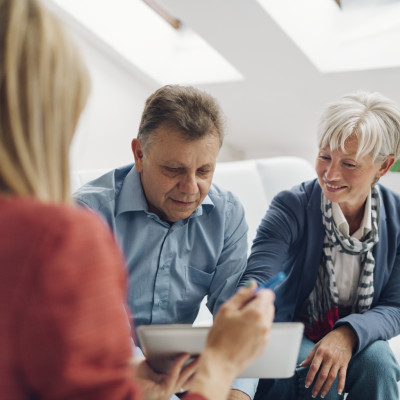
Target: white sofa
x=255, y=182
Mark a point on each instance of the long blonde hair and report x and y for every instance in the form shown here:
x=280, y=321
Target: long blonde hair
x=43, y=89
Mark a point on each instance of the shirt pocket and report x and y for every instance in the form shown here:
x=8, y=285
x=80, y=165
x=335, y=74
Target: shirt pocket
x=197, y=286
x=199, y=277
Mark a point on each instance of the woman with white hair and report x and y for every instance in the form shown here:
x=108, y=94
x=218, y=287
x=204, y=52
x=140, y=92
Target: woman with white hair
x=338, y=240
x=64, y=329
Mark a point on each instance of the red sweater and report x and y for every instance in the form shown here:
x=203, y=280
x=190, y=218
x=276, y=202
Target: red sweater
x=64, y=332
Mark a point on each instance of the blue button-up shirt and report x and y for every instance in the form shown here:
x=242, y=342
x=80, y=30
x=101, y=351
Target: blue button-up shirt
x=172, y=267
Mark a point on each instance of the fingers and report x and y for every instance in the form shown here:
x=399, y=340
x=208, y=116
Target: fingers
x=188, y=373
x=246, y=314
x=309, y=358
x=178, y=365
x=325, y=379
x=242, y=296
x=313, y=370
x=342, y=379
x=328, y=361
x=180, y=374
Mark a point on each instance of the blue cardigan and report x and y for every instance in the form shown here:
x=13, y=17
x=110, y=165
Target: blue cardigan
x=290, y=238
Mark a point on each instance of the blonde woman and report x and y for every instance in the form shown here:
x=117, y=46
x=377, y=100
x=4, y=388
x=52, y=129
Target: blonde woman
x=64, y=331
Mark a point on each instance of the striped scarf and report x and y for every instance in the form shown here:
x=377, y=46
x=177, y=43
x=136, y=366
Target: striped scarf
x=323, y=302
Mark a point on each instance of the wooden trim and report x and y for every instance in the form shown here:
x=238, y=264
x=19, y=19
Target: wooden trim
x=174, y=22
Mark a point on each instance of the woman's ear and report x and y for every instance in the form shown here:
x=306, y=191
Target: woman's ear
x=385, y=166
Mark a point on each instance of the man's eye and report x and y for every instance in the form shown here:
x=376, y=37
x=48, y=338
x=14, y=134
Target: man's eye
x=349, y=165
x=170, y=169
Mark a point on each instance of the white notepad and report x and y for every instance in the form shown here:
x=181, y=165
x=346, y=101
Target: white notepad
x=161, y=344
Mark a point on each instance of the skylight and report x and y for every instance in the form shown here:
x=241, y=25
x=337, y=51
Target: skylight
x=143, y=38
x=359, y=35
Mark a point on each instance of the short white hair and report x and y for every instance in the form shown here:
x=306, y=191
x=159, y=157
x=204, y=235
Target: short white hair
x=371, y=117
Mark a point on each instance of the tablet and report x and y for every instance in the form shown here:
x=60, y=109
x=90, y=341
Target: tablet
x=161, y=344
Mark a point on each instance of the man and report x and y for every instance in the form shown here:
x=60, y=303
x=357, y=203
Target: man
x=182, y=236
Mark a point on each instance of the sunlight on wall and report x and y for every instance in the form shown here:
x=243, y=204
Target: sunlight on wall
x=141, y=36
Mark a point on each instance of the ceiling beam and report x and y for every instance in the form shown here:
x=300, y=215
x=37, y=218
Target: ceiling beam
x=155, y=6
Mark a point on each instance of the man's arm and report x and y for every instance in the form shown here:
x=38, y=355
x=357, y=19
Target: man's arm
x=230, y=267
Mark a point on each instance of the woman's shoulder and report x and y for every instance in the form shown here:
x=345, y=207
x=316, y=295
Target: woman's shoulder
x=389, y=193
x=306, y=193
x=31, y=215
x=391, y=200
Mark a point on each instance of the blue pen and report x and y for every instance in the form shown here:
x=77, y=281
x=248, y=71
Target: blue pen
x=273, y=282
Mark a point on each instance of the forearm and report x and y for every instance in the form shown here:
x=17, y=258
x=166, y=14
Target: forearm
x=213, y=378
x=237, y=395
x=379, y=323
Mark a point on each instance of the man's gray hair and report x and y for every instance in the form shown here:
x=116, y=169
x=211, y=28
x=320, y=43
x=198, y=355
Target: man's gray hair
x=192, y=112
x=373, y=118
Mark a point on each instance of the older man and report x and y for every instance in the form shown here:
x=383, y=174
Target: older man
x=183, y=237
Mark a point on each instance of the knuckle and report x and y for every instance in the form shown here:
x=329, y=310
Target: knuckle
x=323, y=375
x=331, y=376
x=313, y=368
x=326, y=353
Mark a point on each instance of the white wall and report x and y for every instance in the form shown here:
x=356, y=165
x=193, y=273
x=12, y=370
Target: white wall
x=111, y=117
x=112, y=114
x=273, y=112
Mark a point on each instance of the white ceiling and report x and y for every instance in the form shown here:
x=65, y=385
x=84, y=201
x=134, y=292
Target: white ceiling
x=359, y=35
x=275, y=109
x=293, y=57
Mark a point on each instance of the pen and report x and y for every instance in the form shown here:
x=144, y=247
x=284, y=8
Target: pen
x=273, y=282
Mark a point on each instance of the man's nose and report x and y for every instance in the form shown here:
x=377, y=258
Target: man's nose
x=188, y=184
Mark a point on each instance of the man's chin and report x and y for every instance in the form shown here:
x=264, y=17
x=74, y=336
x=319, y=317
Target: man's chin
x=178, y=215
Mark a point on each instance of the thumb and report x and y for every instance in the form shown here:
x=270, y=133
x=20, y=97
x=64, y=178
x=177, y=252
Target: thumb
x=243, y=296
x=309, y=358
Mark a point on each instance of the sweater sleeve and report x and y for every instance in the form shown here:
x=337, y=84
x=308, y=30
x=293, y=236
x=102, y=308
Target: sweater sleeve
x=194, y=396
x=74, y=334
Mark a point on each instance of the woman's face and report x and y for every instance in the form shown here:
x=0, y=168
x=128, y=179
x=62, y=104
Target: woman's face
x=345, y=179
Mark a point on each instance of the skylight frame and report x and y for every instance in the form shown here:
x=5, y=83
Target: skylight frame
x=149, y=43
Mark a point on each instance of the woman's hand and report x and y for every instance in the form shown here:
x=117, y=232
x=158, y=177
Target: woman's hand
x=330, y=356
x=161, y=386
x=238, y=336
x=241, y=327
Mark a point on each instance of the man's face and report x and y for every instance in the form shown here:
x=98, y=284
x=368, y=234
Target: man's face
x=176, y=174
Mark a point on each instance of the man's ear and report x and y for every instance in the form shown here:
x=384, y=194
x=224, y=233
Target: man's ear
x=385, y=166
x=138, y=154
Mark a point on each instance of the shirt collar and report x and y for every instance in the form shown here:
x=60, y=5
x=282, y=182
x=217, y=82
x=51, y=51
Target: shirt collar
x=132, y=197
x=343, y=226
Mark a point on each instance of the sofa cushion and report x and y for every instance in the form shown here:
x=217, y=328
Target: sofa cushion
x=243, y=180
x=282, y=173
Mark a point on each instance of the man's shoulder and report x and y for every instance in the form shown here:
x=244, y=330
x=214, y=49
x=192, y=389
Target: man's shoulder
x=221, y=196
x=103, y=190
x=225, y=203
